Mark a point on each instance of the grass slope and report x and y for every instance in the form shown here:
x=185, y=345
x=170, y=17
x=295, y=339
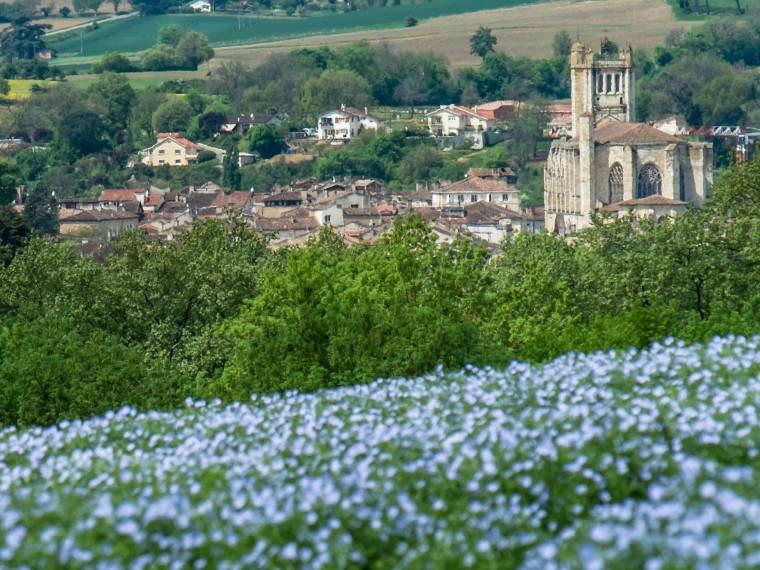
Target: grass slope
x=619, y=460
x=136, y=34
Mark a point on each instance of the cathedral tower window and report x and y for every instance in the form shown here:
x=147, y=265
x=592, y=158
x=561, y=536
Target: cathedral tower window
x=615, y=184
x=649, y=182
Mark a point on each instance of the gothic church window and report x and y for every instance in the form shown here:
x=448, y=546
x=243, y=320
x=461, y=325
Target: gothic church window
x=615, y=184
x=649, y=182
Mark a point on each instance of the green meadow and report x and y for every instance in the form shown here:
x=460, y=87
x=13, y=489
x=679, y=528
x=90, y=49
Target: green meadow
x=136, y=34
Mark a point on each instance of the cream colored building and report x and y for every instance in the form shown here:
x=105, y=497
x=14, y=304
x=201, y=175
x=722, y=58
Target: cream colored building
x=453, y=120
x=609, y=159
x=170, y=149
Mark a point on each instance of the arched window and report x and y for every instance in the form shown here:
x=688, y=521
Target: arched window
x=615, y=184
x=649, y=182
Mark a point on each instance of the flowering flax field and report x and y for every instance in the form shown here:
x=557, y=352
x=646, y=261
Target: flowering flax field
x=618, y=460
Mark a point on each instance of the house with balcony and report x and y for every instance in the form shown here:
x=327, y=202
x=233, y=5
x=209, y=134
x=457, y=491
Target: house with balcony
x=345, y=124
x=171, y=149
x=460, y=124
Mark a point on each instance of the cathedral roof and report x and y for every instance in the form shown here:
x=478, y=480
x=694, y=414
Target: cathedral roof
x=613, y=132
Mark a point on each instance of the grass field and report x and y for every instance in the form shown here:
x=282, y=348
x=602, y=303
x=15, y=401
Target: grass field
x=138, y=80
x=521, y=30
x=137, y=34
x=21, y=89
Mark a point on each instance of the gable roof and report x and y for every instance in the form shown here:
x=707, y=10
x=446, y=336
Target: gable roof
x=89, y=216
x=236, y=200
x=458, y=110
x=119, y=195
x=477, y=184
x=613, y=132
x=653, y=200
x=176, y=137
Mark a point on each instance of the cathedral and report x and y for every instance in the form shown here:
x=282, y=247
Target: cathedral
x=611, y=164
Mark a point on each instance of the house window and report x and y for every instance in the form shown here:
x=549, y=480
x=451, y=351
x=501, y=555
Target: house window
x=161, y=151
x=460, y=198
x=177, y=151
x=160, y=162
x=473, y=198
x=649, y=181
x=327, y=219
x=615, y=184
x=505, y=197
x=177, y=161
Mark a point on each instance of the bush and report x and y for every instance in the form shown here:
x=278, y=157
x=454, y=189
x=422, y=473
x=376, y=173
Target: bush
x=51, y=371
x=113, y=62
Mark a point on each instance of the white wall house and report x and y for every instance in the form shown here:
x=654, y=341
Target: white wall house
x=345, y=124
x=475, y=189
x=201, y=6
x=453, y=120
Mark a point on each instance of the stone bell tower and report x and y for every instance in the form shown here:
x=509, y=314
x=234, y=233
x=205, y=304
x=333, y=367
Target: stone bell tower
x=603, y=87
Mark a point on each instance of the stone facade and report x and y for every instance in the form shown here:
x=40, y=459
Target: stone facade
x=609, y=159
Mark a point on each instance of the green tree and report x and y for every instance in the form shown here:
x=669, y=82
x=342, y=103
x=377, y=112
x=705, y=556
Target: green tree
x=193, y=49
x=80, y=132
x=331, y=89
x=173, y=116
x=9, y=181
x=562, y=44
x=13, y=234
x=161, y=57
x=265, y=140
x=112, y=97
x=482, y=42
x=114, y=62
x=51, y=371
x=23, y=41
x=82, y=6
x=231, y=168
x=41, y=211
x=356, y=314
x=171, y=34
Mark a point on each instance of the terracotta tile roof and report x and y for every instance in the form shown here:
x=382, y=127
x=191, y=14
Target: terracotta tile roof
x=613, y=132
x=493, y=105
x=459, y=110
x=236, y=200
x=284, y=197
x=372, y=211
x=200, y=199
x=154, y=199
x=299, y=212
x=179, y=139
x=654, y=200
x=478, y=184
x=285, y=224
x=89, y=216
x=360, y=113
x=119, y=195
x=490, y=172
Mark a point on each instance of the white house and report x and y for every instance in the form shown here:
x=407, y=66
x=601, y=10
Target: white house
x=201, y=6
x=453, y=120
x=476, y=189
x=346, y=124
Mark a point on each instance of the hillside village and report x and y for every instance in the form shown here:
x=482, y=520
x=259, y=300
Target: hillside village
x=594, y=136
